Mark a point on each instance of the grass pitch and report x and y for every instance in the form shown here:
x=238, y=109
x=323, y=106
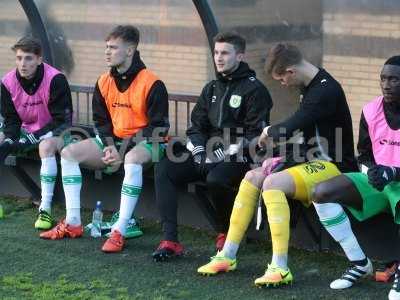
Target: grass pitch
x=31, y=268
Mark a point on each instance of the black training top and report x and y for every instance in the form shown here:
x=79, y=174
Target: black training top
x=238, y=101
x=324, y=118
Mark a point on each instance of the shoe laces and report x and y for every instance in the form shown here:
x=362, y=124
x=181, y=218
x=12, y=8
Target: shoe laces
x=221, y=236
x=60, y=229
x=174, y=247
x=351, y=268
x=44, y=216
x=116, y=238
x=218, y=256
x=166, y=244
x=271, y=269
x=354, y=271
x=354, y=268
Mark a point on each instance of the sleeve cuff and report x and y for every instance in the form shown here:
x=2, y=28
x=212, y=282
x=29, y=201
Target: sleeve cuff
x=265, y=130
x=396, y=172
x=198, y=149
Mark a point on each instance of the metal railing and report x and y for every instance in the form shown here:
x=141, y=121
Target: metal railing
x=180, y=107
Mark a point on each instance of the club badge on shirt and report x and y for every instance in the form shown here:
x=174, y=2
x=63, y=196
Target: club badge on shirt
x=235, y=101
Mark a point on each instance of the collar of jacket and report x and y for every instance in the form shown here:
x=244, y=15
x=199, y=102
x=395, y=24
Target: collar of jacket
x=242, y=71
x=136, y=66
x=317, y=78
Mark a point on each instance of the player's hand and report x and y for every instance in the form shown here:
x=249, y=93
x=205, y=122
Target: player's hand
x=111, y=155
x=379, y=176
x=270, y=164
x=200, y=161
x=265, y=141
x=217, y=155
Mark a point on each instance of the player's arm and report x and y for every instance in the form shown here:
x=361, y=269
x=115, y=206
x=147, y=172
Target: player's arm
x=364, y=146
x=102, y=118
x=12, y=121
x=258, y=107
x=157, y=110
x=319, y=105
x=200, y=127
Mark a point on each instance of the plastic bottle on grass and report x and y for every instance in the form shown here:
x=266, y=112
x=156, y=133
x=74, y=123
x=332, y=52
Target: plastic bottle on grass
x=97, y=219
x=1, y=212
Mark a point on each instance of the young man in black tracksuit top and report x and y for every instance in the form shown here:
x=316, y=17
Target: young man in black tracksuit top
x=237, y=104
x=324, y=119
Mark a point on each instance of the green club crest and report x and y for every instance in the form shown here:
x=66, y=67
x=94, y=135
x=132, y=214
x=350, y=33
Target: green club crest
x=235, y=101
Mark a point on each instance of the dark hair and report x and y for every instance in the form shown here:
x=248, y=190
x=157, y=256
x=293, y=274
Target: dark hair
x=282, y=56
x=127, y=33
x=231, y=37
x=394, y=60
x=28, y=44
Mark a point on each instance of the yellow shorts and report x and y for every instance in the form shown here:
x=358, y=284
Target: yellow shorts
x=307, y=175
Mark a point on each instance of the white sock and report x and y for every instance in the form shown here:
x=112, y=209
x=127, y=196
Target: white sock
x=131, y=188
x=72, y=183
x=230, y=249
x=336, y=222
x=48, y=175
x=280, y=260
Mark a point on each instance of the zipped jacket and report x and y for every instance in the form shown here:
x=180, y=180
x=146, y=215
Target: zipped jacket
x=237, y=102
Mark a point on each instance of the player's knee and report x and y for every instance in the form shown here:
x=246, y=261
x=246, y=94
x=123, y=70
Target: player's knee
x=138, y=155
x=132, y=158
x=255, y=178
x=69, y=152
x=47, y=148
x=322, y=193
x=272, y=182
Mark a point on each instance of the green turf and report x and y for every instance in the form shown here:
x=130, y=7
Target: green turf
x=31, y=268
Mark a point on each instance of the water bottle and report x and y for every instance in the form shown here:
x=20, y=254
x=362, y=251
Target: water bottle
x=1, y=212
x=97, y=218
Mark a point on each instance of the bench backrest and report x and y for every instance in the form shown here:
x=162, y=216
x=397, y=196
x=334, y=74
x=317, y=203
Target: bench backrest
x=180, y=107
